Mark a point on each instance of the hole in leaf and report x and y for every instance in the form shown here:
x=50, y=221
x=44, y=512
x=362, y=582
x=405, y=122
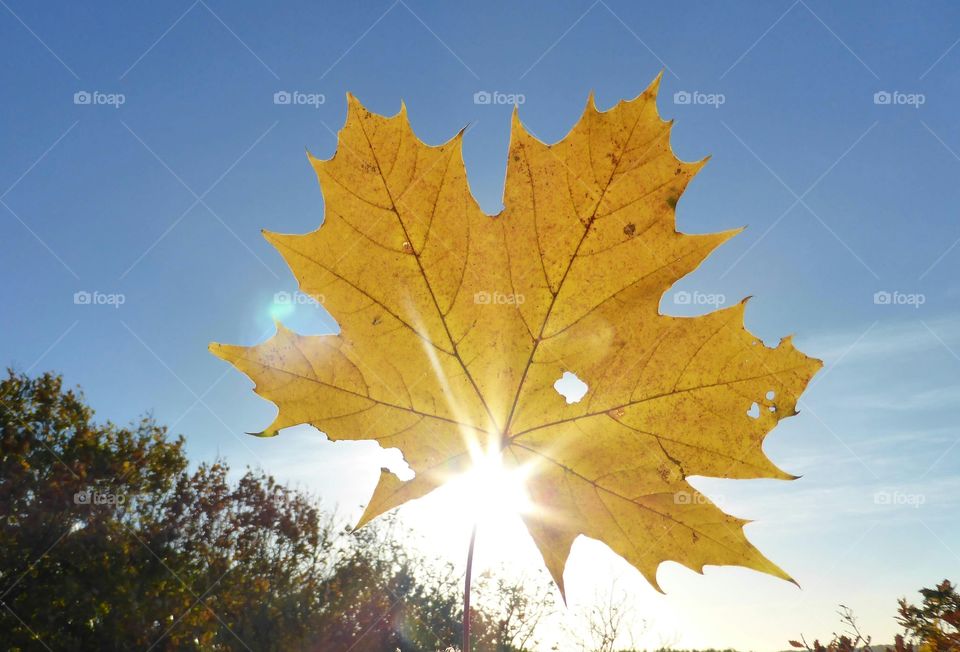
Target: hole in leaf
x=754, y=411
x=772, y=408
x=393, y=461
x=770, y=395
x=570, y=387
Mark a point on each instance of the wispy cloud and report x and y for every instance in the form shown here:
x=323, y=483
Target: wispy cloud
x=885, y=341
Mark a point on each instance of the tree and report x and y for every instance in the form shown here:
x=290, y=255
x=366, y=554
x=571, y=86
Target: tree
x=66, y=489
x=935, y=624
x=108, y=542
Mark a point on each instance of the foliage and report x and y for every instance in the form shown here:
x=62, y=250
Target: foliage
x=455, y=327
x=109, y=542
x=934, y=625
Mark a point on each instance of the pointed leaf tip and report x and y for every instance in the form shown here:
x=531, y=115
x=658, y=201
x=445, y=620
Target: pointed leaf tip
x=264, y=433
x=591, y=101
x=654, y=87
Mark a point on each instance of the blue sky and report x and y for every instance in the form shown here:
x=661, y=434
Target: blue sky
x=158, y=202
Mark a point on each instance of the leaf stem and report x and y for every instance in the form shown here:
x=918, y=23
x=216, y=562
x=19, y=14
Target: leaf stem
x=466, y=590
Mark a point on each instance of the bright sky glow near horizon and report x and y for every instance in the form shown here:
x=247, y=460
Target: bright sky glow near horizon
x=143, y=152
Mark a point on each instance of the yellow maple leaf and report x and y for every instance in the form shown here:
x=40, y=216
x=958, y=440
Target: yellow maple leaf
x=455, y=326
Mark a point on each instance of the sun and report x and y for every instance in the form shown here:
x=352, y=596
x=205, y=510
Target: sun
x=490, y=496
x=490, y=490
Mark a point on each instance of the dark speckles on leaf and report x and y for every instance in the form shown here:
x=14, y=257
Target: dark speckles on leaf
x=376, y=320
x=630, y=229
x=672, y=202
